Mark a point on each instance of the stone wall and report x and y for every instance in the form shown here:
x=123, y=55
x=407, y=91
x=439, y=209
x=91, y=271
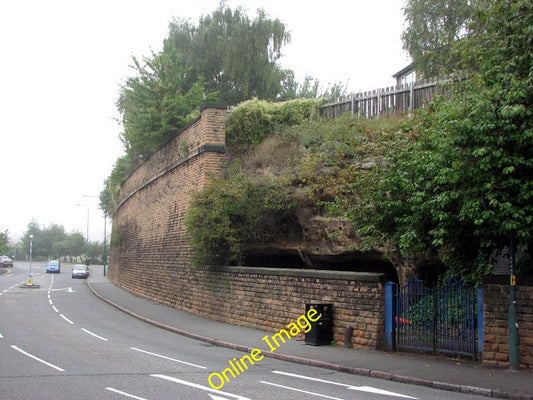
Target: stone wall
x=496, y=330
x=150, y=252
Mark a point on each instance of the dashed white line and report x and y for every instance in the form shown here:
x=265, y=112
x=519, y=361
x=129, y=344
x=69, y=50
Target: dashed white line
x=131, y=396
x=38, y=359
x=167, y=358
x=55, y=309
x=367, y=389
x=66, y=319
x=94, y=334
x=301, y=391
x=197, y=386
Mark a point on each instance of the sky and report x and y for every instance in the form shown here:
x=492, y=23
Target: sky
x=62, y=64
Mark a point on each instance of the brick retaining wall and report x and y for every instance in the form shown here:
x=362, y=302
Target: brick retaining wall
x=150, y=256
x=150, y=252
x=496, y=331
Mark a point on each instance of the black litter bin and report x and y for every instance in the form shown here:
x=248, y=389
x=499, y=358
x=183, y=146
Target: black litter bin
x=321, y=331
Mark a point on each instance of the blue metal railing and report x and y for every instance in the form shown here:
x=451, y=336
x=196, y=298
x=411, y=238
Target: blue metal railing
x=446, y=319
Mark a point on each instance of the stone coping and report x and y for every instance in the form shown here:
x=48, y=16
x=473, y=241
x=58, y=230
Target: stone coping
x=302, y=273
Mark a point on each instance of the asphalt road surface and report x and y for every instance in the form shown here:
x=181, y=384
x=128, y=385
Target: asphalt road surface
x=59, y=341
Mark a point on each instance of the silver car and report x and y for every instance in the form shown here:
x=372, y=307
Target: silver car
x=80, y=271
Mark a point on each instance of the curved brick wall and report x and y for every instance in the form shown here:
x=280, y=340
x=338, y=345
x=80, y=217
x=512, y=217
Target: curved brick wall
x=150, y=253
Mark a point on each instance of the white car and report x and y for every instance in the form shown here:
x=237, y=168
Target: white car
x=80, y=271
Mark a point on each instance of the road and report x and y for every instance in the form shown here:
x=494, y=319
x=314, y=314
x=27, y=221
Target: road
x=59, y=341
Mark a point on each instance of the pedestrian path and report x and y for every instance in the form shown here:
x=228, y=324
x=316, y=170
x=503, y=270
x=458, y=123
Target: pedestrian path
x=459, y=375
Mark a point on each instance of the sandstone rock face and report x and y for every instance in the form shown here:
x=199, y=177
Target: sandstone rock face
x=309, y=240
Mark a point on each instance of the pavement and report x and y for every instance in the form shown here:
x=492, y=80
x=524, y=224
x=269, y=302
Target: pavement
x=458, y=375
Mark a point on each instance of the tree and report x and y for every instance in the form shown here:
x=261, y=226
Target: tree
x=34, y=230
x=154, y=104
x=464, y=183
x=52, y=242
x=229, y=213
x=236, y=56
x=227, y=58
x=4, y=242
x=75, y=245
x=432, y=29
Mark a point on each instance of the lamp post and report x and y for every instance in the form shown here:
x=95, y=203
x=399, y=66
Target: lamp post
x=105, y=240
x=31, y=239
x=104, y=254
x=513, y=312
x=87, y=240
x=29, y=281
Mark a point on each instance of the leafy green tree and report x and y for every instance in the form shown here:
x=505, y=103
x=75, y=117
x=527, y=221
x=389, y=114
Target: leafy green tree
x=109, y=196
x=235, y=55
x=74, y=245
x=52, y=242
x=463, y=183
x=229, y=213
x=37, y=243
x=54, y=237
x=154, y=105
x=433, y=27
x=4, y=242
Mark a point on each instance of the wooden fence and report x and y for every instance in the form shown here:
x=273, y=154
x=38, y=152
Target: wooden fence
x=388, y=101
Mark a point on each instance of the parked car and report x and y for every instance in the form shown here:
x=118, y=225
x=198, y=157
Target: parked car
x=80, y=271
x=53, y=266
x=5, y=261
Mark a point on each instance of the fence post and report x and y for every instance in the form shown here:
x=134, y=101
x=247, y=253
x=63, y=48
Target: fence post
x=480, y=321
x=390, y=314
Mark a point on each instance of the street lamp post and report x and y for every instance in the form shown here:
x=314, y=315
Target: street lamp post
x=30, y=278
x=104, y=254
x=105, y=240
x=31, y=245
x=513, y=312
x=87, y=237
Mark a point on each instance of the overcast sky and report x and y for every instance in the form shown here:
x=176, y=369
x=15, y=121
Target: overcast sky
x=63, y=62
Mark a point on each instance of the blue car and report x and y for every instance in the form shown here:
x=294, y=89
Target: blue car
x=53, y=266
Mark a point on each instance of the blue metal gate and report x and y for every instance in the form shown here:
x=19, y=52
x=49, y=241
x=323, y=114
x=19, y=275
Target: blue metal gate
x=438, y=320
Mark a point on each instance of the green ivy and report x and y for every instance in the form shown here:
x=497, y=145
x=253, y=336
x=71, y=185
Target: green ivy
x=254, y=120
x=229, y=213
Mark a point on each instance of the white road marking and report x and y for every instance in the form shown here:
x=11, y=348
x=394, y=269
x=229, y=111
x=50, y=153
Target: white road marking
x=55, y=309
x=197, y=386
x=94, y=334
x=301, y=391
x=131, y=396
x=38, y=359
x=167, y=358
x=66, y=319
x=213, y=397
x=1, y=336
x=367, y=389
x=50, y=301
x=370, y=389
x=67, y=289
